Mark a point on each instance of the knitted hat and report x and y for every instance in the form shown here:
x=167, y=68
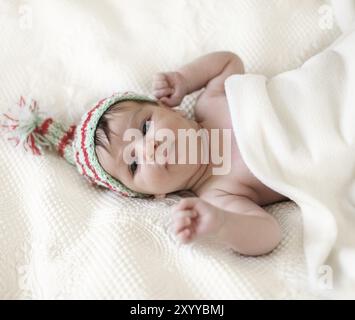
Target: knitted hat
x=74, y=143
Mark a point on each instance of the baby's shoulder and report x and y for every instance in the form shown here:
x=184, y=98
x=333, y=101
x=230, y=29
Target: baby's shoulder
x=207, y=104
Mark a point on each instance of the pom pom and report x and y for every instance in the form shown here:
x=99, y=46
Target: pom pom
x=21, y=125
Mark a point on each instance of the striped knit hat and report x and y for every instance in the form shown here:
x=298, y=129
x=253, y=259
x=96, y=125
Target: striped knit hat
x=35, y=131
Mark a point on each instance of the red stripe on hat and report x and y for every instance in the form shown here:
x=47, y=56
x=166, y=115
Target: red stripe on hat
x=80, y=164
x=43, y=129
x=83, y=136
x=68, y=136
x=32, y=145
x=83, y=168
x=85, y=173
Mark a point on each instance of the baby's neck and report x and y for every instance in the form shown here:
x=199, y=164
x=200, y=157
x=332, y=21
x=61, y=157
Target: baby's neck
x=205, y=170
x=201, y=176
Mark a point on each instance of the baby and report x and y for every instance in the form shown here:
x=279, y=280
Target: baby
x=228, y=207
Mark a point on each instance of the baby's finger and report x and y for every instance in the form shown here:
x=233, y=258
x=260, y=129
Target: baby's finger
x=163, y=92
x=160, y=84
x=177, y=214
x=159, y=76
x=166, y=101
x=184, y=236
x=181, y=224
x=186, y=203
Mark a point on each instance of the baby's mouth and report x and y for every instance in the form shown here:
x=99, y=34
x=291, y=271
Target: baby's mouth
x=163, y=156
x=166, y=161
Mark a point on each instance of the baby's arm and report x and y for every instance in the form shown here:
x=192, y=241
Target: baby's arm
x=208, y=71
x=248, y=228
x=211, y=71
x=241, y=224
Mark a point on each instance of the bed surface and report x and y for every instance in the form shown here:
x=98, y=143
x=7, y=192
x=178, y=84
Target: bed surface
x=62, y=238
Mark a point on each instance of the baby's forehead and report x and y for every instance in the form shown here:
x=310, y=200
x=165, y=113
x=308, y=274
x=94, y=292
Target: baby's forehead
x=120, y=118
x=123, y=108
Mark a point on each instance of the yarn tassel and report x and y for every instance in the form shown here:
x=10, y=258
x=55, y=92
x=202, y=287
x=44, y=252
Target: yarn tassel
x=22, y=125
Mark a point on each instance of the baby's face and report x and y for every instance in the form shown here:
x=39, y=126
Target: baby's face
x=140, y=176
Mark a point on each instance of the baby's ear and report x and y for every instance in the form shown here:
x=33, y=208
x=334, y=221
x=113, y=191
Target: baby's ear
x=160, y=196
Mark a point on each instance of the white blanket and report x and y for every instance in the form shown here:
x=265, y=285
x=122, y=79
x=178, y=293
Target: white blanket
x=296, y=132
x=61, y=238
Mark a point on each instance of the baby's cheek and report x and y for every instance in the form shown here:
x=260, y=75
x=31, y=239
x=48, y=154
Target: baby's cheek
x=157, y=176
x=156, y=180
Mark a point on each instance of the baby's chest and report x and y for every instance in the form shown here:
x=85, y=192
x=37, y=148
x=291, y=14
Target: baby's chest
x=213, y=113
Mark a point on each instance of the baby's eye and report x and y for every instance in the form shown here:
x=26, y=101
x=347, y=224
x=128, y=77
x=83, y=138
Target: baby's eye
x=133, y=167
x=146, y=126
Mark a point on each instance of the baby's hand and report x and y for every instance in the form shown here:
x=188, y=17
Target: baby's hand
x=169, y=87
x=194, y=217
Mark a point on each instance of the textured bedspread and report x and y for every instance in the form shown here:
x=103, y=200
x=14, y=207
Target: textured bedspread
x=62, y=238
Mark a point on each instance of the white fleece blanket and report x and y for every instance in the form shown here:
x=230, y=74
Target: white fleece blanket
x=296, y=132
x=61, y=238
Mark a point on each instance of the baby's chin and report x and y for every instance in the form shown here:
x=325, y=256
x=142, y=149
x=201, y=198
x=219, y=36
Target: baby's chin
x=160, y=189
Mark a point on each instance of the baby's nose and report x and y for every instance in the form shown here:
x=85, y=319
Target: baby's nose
x=149, y=148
